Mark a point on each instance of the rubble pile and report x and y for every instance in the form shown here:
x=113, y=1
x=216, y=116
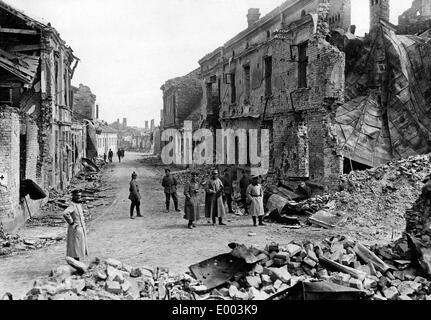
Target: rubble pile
x=10, y=244
x=110, y=280
x=378, y=273
x=381, y=273
x=93, y=194
x=375, y=199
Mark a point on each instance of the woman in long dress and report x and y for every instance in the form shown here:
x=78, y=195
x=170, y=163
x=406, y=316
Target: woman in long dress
x=191, y=207
x=77, y=247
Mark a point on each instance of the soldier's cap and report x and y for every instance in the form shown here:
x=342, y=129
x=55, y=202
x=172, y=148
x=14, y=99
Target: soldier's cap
x=134, y=174
x=167, y=170
x=76, y=192
x=255, y=176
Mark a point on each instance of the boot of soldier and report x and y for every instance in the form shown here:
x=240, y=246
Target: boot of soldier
x=220, y=222
x=254, y=221
x=261, y=221
x=190, y=226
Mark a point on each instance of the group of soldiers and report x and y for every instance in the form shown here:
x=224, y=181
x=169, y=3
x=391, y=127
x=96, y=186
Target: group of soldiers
x=218, y=196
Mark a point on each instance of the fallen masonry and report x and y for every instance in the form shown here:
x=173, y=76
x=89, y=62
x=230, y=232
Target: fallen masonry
x=359, y=272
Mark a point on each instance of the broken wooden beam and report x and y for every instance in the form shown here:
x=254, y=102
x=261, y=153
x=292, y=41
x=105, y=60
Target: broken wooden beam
x=339, y=267
x=21, y=48
x=369, y=257
x=18, y=31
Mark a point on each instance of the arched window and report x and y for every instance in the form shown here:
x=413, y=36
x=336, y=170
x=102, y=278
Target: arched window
x=268, y=34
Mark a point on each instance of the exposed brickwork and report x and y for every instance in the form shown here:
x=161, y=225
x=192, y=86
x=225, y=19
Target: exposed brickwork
x=181, y=97
x=84, y=102
x=9, y=166
x=295, y=112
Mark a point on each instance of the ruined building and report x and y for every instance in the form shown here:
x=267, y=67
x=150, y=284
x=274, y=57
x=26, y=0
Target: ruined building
x=386, y=114
x=417, y=19
x=84, y=102
x=282, y=74
x=38, y=138
x=332, y=101
x=181, y=101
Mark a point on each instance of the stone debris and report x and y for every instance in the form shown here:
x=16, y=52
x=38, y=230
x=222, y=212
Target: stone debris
x=296, y=262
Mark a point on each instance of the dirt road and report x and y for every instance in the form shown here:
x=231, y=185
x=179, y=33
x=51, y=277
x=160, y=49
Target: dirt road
x=158, y=239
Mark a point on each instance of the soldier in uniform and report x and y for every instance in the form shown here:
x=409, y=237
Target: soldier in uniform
x=228, y=189
x=170, y=185
x=243, y=185
x=134, y=197
x=191, y=207
x=214, y=190
x=77, y=247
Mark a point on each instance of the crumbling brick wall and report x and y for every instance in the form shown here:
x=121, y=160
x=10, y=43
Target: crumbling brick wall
x=181, y=97
x=9, y=167
x=416, y=19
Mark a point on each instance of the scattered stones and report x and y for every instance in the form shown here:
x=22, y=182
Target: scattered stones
x=113, y=287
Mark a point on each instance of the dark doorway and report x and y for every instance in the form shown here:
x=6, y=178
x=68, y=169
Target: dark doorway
x=350, y=165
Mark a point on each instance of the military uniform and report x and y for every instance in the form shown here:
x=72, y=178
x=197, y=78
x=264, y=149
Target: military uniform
x=135, y=197
x=170, y=185
x=76, y=233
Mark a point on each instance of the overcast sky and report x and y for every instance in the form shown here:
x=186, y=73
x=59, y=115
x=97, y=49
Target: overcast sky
x=129, y=48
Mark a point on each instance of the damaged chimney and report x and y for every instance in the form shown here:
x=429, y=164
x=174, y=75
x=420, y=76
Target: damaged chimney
x=253, y=16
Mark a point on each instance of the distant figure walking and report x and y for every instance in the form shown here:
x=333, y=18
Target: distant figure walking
x=255, y=195
x=119, y=155
x=134, y=197
x=104, y=157
x=214, y=189
x=110, y=155
x=122, y=153
x=191, y=207
x=77, y=247
x=170, y=185
x=243, y=185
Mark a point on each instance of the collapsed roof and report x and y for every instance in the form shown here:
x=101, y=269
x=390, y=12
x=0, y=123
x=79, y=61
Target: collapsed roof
x=376, y=125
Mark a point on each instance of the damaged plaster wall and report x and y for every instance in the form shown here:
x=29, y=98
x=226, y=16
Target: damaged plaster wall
x=9, y=167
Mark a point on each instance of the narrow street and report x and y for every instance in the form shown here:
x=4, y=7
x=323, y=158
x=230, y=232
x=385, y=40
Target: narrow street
x=159, y=239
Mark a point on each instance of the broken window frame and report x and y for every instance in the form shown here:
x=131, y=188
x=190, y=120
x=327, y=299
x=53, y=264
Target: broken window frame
x=4, y=91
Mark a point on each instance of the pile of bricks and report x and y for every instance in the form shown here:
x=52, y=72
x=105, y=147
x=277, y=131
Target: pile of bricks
x=109, y=280
x=380, y=273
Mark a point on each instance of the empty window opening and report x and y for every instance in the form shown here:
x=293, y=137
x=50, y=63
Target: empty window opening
x=268, y=76
x=232, y=89
x=247, y=84
x=302, y=65
x=6, y=96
